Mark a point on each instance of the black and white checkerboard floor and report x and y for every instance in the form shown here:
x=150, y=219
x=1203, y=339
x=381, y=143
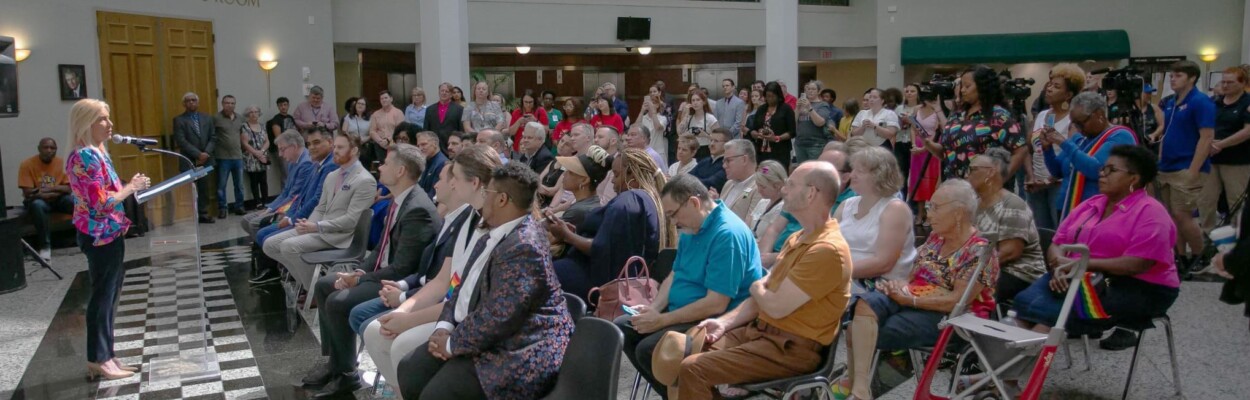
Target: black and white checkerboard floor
x=161, y=308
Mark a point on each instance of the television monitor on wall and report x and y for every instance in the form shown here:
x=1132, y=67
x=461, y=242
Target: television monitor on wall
x=631, y=28
x=8, y=77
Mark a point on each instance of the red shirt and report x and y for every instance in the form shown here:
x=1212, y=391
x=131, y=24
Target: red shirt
x=539, y=115
x=561, y=128
x=442, y=110
x=792, y=101
x=613, y=120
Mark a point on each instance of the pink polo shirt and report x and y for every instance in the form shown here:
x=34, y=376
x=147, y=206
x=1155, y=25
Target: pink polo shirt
x=1139, y=227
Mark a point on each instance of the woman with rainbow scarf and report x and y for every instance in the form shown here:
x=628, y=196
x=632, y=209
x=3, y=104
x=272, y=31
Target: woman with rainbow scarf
x=1130, y=237
x=1081, y=156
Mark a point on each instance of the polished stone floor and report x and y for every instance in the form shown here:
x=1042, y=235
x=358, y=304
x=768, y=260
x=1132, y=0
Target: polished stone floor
x=42, y=342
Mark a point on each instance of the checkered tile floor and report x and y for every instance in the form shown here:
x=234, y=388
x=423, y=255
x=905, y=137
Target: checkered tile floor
x=159, y=313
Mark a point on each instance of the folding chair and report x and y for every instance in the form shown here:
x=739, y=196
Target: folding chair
x=336, y=259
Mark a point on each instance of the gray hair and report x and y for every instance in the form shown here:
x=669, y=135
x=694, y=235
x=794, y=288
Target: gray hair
x=819, y=85
x=962, y=195
x=583, y=128
x=291, y=137
x=684, y=186
x=409, y=157
x=251, y=108
x=1001, y=159
x=1089, y=102
x=772, y=173
x=742, y=146
x=190, y=95
x=492, y=135
x=534, y=128
x=428, y=135
x=641, y=128
x=317, y=90
x=882, y=167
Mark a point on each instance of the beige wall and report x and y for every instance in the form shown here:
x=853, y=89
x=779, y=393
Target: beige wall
x=848, y=78
x=346, y=79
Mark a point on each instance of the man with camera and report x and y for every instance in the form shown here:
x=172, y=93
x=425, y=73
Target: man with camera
x=1188, y=132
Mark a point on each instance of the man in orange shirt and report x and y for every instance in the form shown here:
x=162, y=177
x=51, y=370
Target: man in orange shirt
x=45, y=190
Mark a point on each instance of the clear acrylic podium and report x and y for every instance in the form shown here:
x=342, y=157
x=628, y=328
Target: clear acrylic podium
x=175, y=247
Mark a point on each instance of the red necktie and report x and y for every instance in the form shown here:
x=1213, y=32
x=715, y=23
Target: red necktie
x=386, y=235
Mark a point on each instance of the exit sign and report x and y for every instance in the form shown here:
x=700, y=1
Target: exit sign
x=826, y=54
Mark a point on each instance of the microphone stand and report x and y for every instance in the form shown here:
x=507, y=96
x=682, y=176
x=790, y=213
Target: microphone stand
x=145, y=149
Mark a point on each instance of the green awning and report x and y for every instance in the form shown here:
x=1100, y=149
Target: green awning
x=1016, y=48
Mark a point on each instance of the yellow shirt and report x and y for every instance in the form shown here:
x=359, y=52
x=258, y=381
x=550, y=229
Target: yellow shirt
x=820, y=265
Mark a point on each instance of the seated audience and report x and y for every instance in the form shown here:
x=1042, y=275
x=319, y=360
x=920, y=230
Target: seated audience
x=405, y=133
x=532, y=150
x=740, y=164
x=503, y=333
x=1130, y=238
x=579, y=138
x=1004, y=217
x=549, y=185
x=45, y=190
x=582, y=174
x=346, y=194
x=639, y=137
x=418, y=300
x=711, y=170
x=455, y=141
x=291, y=148
x=877, y=224
x=835, y=154
x=636, y=227
x=427, y=142
x=496, y=140
x=716, y=264
x=687, y=145
x=904, y=314
x=1234, y=265
x=772, y=225
x=609, y=139
x=318, y=142
x=793, y=313
x=1083, y=155
x=411, y=225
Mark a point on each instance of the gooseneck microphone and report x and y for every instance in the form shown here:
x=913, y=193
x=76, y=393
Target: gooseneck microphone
x=137, y=141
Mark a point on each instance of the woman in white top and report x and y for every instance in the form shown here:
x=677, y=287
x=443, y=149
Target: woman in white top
x=1065, y=83
x=653, y=118
x=687, y=145
x=697, y=120
x=355, y=122
x=877, y=225
x=875, y=123
x=769, y=179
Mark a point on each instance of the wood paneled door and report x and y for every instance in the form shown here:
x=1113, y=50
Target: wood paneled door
x=147, y=63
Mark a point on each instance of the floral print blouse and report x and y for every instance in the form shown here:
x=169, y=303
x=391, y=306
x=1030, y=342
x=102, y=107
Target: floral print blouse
x=93, y=180
x=966, y=136
x=935, y=275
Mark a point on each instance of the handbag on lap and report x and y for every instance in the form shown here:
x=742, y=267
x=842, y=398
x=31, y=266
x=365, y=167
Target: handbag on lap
x=625, y=290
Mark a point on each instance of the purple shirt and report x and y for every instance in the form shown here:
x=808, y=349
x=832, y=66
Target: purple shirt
x=1139, y=227
x=305, y=115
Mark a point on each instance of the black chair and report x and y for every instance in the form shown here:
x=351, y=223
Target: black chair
x=592, y=362
x=577, y=307
x=817, y=380
x=333, y=259
x=663, y=264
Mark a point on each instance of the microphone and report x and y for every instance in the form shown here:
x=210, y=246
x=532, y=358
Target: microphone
x=137, y=141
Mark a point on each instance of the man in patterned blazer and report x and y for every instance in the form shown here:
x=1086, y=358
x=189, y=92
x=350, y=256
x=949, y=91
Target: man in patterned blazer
x=503, y=333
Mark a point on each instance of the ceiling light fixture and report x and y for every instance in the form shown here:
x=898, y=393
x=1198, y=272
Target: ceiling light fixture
x=523, y=49
x=644, y=50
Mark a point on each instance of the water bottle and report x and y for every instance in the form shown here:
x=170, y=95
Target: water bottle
x=1010, y=319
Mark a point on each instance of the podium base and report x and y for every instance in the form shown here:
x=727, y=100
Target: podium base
x=184, y=367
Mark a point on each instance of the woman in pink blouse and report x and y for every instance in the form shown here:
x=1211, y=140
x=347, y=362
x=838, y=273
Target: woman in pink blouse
x=101, y=223
x=1130, y=238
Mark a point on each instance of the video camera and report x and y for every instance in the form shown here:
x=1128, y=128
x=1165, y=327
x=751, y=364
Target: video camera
x=1127, y=82
x=939, y=86
x=1016, y=89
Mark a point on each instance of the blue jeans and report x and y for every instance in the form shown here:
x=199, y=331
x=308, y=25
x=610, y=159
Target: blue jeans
x=41, y=212
x=1043, y=204
x=899, y=327
x=266, y=232
x=365, y=313
x=232, y=169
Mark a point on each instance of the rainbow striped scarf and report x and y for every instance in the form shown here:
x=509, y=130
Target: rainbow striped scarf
x=282, y=209
x=1088, y=305
x=1076, y=185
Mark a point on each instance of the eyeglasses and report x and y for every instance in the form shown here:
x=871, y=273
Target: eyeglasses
x=727, y=158
x=670, y=214
x=931, y=206
x=1111, y=169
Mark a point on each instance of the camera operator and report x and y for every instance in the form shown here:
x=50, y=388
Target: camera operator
x=1188, y=133
x=1230, y=153
x=982, y=100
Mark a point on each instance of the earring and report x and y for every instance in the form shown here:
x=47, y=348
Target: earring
x=1064, y=106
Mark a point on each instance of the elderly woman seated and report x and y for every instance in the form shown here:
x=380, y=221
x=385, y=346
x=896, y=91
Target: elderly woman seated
x=904, y=314
x=1006, y=218
x=876, y=223
x=1130, y=238
x=770, y=223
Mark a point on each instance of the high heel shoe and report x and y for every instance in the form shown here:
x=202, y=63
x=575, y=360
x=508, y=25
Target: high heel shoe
x=118, y=363
x=106, y=371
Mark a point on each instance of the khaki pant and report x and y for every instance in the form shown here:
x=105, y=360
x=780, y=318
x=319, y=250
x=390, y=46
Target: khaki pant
x=1177, y=192
x=1232, y=180
x=746, y=355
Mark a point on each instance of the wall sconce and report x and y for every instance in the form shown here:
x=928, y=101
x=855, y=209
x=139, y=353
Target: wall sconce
x=268, y=65
x=523, y=49
x=21, y=54
x=644, y=50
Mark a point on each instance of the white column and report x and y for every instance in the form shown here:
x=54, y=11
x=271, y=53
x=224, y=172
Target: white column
x=443, y=52
x=778, y=60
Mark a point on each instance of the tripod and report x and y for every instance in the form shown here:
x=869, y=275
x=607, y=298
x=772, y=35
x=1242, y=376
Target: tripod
x=35, y=255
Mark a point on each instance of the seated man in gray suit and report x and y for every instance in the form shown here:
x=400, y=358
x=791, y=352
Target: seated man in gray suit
x=411, y=224
x=194, y=135
x=345, y=195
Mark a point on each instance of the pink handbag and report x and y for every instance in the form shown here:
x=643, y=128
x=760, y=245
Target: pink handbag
x=624, y=291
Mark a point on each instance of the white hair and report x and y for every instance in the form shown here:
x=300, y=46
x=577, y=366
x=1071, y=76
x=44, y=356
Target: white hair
x=190, y=95
x=534, y=128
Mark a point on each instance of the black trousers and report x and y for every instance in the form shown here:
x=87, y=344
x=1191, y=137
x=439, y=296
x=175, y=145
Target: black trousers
x=201, y=187
x=333, y=307
x=638, y=349
x=258, y=183
x=104, y=267
x=423, y=376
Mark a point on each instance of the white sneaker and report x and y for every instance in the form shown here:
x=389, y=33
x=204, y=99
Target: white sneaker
x=46, y=255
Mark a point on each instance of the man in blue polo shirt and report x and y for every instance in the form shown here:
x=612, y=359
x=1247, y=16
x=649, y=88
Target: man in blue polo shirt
x=717, y=261
x=1188, y=132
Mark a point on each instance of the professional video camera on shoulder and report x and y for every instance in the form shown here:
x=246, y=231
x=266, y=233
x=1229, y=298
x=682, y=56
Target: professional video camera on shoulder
x=1015, y=89
x=942, y=86
x=1127, y=82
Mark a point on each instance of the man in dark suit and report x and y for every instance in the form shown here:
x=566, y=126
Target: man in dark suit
x=504, y=331
x=711, y=170
x=427, y=141
x=194, y=135
x=532, y=152
x=443, y=117
x=411, y=225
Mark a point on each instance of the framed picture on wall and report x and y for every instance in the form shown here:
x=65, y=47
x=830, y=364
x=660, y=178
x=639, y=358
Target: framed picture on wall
x=8, y=77
x=73, y=81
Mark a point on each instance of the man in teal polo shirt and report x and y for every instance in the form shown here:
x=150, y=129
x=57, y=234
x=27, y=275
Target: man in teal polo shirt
x=717, y=260
x=1188, y=132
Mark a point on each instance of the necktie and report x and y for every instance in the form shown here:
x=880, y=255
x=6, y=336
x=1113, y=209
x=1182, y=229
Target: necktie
x=196, y=118
x=383, y=248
